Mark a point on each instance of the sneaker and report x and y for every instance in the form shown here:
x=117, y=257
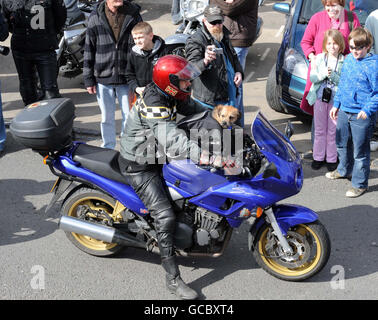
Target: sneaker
x=355, y=192
x=331, y=166
x=333, y=175
x=316, y=165
x=373, y=145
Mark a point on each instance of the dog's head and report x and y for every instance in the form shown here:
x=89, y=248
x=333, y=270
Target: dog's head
x=226, y=115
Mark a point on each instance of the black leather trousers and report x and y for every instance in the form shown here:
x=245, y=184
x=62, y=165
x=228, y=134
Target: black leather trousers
x=28, y=66
x=149, y=186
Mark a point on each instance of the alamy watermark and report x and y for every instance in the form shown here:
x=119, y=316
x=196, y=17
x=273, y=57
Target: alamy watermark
x=38, y=20
x=338, y=280
x=38, y=280
x=162, y=145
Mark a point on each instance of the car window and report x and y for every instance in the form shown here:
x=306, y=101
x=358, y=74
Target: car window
x=361, y=8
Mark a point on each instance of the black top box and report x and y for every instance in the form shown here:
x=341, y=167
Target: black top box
x=45, y=125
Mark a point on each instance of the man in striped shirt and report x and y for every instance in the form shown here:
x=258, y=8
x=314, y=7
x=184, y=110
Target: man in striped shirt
x=107, y=44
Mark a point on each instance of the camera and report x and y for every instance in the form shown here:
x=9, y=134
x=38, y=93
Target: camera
x=218, y=50
x=327, y=94
x=4, y=50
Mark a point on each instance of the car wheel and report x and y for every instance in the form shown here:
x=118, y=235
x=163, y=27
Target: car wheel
x=271, y=92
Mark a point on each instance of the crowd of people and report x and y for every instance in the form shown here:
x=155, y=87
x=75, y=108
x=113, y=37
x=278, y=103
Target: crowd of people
x=124, y=58
x=341, y=92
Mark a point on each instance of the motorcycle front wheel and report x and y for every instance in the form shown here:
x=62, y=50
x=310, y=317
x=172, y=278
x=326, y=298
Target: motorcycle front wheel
x=311, y=250
x=95, y=206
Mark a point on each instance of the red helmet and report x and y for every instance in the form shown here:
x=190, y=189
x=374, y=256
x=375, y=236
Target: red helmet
x=169, y=70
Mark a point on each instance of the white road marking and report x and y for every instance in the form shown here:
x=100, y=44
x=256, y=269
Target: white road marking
x=265, y=54
x=280, y=31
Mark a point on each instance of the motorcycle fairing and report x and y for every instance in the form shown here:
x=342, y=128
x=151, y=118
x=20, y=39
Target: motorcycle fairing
x=287, y=216
x=278, y=149
x=190, y=178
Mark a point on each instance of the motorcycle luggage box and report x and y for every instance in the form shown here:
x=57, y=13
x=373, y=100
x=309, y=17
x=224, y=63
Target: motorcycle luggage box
x=45, y=125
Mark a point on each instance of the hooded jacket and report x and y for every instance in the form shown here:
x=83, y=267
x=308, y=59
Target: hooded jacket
x=140, y=63
x=105, y=59
x=358, y=86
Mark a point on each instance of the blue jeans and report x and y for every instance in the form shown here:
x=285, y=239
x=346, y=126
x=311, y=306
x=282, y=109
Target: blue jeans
x=3, y=134
x=242, y=55
x=353, y=147
x=106, y=97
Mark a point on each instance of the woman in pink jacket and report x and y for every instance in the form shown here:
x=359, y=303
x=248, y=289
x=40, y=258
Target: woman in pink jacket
x=334, y=16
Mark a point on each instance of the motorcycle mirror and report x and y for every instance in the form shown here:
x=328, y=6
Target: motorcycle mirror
x=270, y=170
x=289, y=129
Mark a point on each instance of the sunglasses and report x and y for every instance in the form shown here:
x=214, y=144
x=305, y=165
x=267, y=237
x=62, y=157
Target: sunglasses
x=215, y=22
x=356, y=48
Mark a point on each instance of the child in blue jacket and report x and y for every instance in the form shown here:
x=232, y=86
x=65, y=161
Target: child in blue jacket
x=355, y=106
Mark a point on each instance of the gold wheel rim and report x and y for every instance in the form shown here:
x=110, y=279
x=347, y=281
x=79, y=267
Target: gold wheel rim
x=87, y=241
x=295, y=272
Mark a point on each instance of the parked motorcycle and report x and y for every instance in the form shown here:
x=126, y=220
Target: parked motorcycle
x=101, y=214
x=192, y=13
x=70, y=52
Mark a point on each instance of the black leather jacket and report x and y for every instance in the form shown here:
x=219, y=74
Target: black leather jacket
x=152, y=122
x=35, y=29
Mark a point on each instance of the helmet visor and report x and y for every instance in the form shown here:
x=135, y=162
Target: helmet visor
x=188, y=73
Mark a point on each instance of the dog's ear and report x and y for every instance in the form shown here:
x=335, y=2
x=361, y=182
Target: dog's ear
x=214, y=113
x=220, y=107
x=218, y=110
x=239, y=115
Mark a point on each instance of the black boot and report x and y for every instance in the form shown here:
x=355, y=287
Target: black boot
x=174, y=282
x=52, y=94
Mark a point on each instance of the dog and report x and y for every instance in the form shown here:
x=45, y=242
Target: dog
x=226, y=115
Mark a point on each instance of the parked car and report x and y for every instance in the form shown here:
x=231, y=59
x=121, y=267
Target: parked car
x=287, y=78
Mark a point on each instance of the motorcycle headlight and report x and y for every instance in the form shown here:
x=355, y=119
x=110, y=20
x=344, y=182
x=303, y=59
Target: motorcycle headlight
x=192, y=8
x=295, y=63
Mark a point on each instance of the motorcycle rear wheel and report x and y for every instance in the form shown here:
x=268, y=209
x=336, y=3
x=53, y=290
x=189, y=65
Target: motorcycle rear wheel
x=311, y=247
x=94, y=200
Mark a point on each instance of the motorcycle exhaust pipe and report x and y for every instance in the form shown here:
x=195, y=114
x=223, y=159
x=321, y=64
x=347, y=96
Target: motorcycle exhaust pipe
x=96, y=231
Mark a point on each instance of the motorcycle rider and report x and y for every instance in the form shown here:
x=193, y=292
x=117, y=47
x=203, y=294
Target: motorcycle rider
x=34, y=25
x=152, y=119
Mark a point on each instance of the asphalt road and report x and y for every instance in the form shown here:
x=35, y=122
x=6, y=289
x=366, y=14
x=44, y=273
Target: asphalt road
x=38, y=262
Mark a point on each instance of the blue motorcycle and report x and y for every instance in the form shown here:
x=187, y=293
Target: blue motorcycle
x=101, y=214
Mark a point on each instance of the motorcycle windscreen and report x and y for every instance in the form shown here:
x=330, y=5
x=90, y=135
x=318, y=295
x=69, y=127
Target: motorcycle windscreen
x=270, y=140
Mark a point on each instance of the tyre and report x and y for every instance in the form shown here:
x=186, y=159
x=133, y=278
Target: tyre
x=311, y=249
x=271, y=92
x=95, y=206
